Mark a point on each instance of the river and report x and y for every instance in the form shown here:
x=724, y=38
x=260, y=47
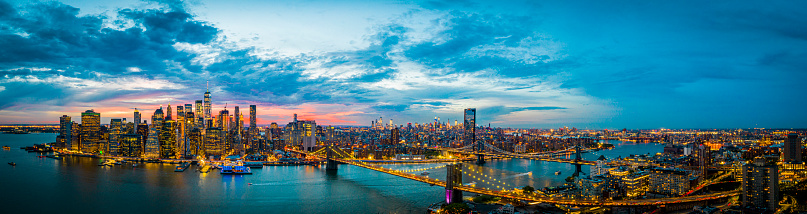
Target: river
x=77, y=184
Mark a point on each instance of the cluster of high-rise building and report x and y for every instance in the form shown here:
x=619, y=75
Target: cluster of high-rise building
x=186, y=131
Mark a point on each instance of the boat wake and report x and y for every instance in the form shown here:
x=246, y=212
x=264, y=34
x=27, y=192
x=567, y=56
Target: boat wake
x=519, y=175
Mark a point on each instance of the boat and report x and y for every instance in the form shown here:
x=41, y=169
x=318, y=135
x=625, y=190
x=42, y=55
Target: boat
x=424, y=173
x=12, y=163
x=6, y=148
x=235, y=170
x=134, y=165
x=205, y=169
x=182, y=168
x=557, y=173
x=107, y=163
x=40, y=156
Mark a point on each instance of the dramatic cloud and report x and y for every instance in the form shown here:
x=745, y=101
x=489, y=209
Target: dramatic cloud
x=521, y=64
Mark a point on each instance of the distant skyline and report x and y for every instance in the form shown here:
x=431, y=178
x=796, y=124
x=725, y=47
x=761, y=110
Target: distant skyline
x=521, y=64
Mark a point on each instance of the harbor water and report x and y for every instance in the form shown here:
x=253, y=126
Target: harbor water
x=78, y=184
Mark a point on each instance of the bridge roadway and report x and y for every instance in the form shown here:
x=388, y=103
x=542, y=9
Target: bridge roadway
x=560, y=160
x=532, y=197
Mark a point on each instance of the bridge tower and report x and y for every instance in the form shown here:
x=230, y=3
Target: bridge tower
x=480, y=148
x=577, y=158
x=453, y=178
x=330, y=164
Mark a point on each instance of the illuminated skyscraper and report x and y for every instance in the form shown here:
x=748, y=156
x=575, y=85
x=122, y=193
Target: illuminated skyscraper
x=190, y=121
x=301, y=133
x=91, y=131
x=253, y=121
x=254, y=134
x=152, y=148
x=200, y=121
x=195, y=141
x=761, y=184
x=65, y=132
x=168, y=140
x=180, y=130
x=137, y=119
x=130, y=145
x=143, y=132
x=214, y=145
x=207, y=112
x=470, y=134
x=792, y=148
x=75, y=141
x=115, y=130
x=168, y=114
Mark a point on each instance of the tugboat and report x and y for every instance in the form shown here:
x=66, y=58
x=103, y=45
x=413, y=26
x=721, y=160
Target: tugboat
x=12, y=163
x=235, y=170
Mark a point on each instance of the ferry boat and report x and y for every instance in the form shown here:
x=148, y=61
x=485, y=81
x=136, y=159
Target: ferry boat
x=182, y=168
x=557, y=173
x=6, y=148
x=235, y=170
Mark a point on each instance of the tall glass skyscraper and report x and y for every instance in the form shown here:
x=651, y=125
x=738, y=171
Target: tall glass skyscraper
x=137, y=119
x=200, y=121
x=90, y=130
x=207, y=106
x=152, y=149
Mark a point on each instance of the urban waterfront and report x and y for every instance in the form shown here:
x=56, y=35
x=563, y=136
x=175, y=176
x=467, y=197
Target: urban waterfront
x=74, y=182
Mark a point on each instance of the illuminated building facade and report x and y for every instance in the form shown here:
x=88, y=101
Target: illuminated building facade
x=301, y=133
x=195, y=141
x=207, y=109
x=214, y=142
x=200, y=115
x=636, y=184
x=115, y=130
x=137, y=119
x=669, y=181
x=65, y=132
x=168, y=140
x=792, y=147
x=143, y=132
x=152, y=148
x=760, y=184
x=90, y=130
x=180, y=130
x=130, y=145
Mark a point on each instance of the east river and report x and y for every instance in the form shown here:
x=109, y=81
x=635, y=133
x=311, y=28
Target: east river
x=78, y=184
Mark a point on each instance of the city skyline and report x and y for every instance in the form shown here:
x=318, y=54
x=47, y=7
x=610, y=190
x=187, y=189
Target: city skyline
x=520, y=64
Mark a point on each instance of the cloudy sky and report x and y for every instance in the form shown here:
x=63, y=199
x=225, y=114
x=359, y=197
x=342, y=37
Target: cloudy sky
x=585, y=64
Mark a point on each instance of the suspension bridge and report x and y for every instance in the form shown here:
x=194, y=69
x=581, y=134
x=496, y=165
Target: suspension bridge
x=494, y=186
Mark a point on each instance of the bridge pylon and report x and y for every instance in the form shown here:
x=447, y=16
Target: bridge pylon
x=330, y=164
x=480, y=148
x=577, y=158
x=453, y=178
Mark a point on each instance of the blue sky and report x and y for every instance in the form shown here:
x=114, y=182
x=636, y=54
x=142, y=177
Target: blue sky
x=585, y=64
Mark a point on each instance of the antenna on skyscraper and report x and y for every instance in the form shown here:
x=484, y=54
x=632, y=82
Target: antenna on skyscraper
x=208, y=86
